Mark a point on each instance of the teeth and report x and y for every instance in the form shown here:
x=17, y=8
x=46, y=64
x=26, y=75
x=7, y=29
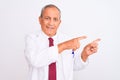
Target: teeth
x=50, y=27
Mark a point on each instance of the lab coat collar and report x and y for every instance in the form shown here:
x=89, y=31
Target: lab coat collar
x=54, y=37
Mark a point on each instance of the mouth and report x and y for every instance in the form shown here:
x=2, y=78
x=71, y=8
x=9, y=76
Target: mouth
x=50, y=27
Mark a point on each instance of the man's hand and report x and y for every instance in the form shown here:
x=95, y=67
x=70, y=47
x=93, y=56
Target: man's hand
x=70, y=44
x=90, y=49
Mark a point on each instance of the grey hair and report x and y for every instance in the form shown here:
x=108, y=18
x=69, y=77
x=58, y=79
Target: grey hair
x=49, y=6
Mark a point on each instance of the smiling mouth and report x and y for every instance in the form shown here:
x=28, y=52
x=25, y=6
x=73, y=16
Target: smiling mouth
x=50, y=27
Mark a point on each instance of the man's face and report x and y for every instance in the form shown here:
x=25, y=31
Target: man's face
x=50, y=21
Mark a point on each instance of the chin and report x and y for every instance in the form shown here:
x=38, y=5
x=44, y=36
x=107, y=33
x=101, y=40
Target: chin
x=51, y=35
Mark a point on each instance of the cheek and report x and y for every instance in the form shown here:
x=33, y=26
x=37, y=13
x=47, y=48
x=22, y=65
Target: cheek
x=57, y=26
x=43, y=25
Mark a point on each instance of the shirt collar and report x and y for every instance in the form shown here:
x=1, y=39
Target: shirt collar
x=54, y=37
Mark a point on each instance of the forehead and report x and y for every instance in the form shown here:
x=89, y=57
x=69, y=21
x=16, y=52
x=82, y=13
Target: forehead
x=51, y=11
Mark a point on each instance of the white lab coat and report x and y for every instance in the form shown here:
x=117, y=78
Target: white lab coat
x=39, y=55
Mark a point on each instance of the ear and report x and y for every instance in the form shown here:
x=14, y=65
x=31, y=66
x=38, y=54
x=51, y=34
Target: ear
x=60, y=22
x=39, y=19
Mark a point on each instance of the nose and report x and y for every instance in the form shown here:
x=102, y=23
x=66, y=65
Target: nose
x=51, y=23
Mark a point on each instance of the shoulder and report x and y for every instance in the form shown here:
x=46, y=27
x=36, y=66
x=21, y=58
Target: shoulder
x=32, y=35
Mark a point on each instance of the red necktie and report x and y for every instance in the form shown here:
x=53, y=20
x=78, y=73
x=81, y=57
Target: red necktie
x=52, y=66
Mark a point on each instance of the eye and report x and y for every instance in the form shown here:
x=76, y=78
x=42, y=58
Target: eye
x=47, y=18
x=55, y=19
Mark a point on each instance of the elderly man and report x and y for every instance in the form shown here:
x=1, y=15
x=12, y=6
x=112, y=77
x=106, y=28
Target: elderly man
x=51, y=55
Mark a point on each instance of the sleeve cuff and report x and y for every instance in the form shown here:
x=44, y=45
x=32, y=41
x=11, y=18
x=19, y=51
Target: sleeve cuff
x=84, y=63
x=79, y=63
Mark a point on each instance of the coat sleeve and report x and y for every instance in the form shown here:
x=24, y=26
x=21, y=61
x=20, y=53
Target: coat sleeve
x=79, y=63
x=38, y=57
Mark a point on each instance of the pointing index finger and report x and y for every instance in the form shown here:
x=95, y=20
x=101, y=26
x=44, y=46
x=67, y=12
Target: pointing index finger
x=97, y=40
x=82, y=37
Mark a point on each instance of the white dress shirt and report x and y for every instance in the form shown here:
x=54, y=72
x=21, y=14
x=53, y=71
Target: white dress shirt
x=39, y=55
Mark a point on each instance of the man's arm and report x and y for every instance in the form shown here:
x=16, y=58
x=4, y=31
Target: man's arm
x=39, y=56
x=70, y=44
x=75, y=44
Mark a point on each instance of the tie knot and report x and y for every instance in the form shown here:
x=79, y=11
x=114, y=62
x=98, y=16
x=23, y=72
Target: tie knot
x=51, y=41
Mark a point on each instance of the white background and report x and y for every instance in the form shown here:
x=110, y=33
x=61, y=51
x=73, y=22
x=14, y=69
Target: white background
x=94, y=18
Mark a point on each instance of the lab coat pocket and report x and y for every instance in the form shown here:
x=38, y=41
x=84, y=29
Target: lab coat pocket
x=67, y=64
